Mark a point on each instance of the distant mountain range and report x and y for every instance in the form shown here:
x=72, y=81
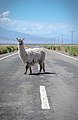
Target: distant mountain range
x=8, y=36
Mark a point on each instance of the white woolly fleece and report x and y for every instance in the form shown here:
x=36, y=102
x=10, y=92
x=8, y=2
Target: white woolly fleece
x=31, y=55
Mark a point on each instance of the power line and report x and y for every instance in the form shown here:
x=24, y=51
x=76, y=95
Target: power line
x=62, y=35
x=58, y=40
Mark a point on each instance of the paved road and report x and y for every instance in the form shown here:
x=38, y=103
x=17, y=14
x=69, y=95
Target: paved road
x=49, y=96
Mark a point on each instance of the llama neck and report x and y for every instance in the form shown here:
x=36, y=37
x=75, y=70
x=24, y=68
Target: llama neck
x=22, y=53
x=21, y=48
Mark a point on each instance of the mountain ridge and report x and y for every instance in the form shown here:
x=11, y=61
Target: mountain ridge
x=9, y=36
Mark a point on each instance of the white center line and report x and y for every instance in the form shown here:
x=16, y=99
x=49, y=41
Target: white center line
x=8, y=56
x=44, y=99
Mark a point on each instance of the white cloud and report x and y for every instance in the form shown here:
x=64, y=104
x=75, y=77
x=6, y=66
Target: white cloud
x=30, y=27
x=5, y=14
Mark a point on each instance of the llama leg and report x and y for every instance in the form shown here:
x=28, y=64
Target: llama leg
x=40, y=67
x=43, y=66
x=29, y=66
x=30, y=70
x=26, y=69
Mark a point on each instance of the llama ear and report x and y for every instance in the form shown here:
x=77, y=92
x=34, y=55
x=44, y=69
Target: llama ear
x=17, y=38
x=23, y=38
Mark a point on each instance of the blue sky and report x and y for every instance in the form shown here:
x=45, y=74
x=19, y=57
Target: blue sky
x=48, y=18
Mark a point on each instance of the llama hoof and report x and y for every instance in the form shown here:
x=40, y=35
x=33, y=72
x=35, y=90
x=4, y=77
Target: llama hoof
x=25, y=73
x=30, y=73
x=39, y=72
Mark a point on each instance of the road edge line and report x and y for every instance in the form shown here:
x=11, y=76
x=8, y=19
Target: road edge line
x=8, y=56
x=65, y=55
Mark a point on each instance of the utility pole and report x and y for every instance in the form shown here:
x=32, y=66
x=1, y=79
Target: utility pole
x=54, y=40
x=58, y=40
x=62, y=38
x=72, y=36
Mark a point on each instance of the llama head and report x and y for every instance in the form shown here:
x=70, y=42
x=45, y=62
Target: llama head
x=20, y=41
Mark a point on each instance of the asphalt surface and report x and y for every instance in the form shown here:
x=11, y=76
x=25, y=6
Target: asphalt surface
x=20, y=97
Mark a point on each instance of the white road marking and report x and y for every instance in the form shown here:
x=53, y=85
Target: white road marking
x=66, y=55
x=8, y=56
x=44, y=99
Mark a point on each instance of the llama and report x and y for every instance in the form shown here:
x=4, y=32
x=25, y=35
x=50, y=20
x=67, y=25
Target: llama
x=31, y=56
